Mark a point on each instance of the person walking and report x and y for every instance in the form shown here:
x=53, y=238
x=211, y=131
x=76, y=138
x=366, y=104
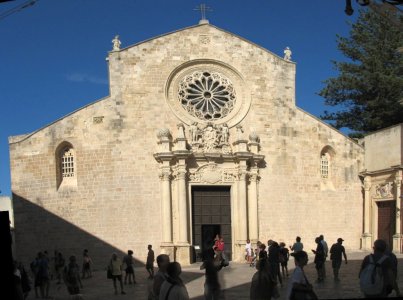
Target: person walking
x=373, y=286
x=115, y=266
x=336, y=252
x=325, y=250
x=284, y=257
x=150, y=262
x=298, y=284
x=248, y=251
x=393, y=258
x=212, y=287
x=71, y=276
x=128, y=260
x=274, y=261
x=262, y=285
x=87, y=265
x=59, y=266
x=297, y=246
x=43, y=275
x=160, y=276
x=319, y=259
x=173, y=287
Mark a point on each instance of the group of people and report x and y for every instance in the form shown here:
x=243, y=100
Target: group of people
x=44, y=269
x=116, y=266
x=378, y=272
x=167, y=284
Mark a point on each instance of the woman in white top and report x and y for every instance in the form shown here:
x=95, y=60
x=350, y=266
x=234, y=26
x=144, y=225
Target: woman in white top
x=248, y=251
x=298, y=281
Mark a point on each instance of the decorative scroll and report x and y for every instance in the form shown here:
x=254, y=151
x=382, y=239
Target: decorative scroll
x=211, y=174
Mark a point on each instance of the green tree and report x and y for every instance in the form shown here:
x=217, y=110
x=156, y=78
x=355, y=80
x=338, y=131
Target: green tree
x=368, y=92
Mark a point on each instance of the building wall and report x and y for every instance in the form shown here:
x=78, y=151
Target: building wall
x=114, y=205
x=383, y=148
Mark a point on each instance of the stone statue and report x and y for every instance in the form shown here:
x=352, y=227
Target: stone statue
x=116, y=43
x=287, y=54
x=224, y=133
x=209, y=137
x=181, y=131
x=239, y=132
x=194, y=131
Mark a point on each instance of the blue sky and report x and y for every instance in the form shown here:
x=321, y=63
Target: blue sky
x=52, y=54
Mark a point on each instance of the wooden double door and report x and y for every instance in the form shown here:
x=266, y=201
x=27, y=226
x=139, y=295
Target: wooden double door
x=386, y=221
x=211, y=215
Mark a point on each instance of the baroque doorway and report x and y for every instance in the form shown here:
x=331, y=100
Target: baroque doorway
x=211, y=215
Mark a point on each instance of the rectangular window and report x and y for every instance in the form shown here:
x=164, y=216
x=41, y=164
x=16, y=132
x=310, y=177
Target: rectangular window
x=68, y=164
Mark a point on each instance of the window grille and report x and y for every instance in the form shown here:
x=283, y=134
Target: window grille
x=324, y=166
x=67, y=163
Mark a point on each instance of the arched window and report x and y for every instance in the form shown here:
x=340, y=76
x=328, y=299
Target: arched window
x=67, y=161
x=326, y=167
x=66, y=168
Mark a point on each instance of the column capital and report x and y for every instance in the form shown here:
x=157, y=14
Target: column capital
x=398, y=178
x=367, y=183
x=165, y=173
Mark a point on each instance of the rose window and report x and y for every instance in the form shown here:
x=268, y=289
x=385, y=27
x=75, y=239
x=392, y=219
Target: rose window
x=207, y=95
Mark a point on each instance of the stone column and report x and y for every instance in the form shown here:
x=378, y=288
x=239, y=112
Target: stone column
x=165, y=176
x=182, y=200
x=397, y=237
x=252, y=206
x=182, y=246
x=242, y=206
x=367, y=235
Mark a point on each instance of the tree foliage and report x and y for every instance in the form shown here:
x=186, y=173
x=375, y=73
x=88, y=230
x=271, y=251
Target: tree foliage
x=368, y=92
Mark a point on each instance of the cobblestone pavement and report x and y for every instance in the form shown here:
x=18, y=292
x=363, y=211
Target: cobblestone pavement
x=236, y=280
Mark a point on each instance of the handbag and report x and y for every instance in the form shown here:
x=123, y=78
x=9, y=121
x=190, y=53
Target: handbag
x=109, y=272
x=308, y=294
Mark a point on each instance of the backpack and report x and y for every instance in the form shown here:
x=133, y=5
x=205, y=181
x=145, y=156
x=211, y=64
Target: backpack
x=371, y=277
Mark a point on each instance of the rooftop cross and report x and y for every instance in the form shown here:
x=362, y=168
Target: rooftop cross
x=203, y=8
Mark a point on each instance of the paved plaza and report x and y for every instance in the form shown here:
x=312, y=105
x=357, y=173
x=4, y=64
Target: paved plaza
x=236, y=279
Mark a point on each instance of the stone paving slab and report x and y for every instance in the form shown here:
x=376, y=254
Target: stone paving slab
x=236, y=282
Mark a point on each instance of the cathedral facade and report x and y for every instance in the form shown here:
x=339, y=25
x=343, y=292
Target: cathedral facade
x=200, y=135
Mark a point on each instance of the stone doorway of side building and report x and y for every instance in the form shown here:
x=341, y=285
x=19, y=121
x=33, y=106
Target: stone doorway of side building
x=211, y=215
x=386, y=221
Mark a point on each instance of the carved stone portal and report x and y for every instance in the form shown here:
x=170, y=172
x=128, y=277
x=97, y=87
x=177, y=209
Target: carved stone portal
x=384, y=190
x=210, y=138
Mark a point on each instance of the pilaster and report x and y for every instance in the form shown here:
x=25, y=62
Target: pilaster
x=366, y=237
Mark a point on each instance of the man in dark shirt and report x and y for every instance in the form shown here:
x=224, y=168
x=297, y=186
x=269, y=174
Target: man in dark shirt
x=389, y=280
x=336, y=252
x=319, y=259
x=274, y=260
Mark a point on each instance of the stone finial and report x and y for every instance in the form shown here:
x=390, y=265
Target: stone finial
x=254, y=137
x=116, y=43
x=164, y=134
x=287, y=54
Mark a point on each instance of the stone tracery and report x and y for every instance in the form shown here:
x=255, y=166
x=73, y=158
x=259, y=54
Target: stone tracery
x=207, y=95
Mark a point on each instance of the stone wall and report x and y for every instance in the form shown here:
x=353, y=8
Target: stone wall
x=376, y=158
